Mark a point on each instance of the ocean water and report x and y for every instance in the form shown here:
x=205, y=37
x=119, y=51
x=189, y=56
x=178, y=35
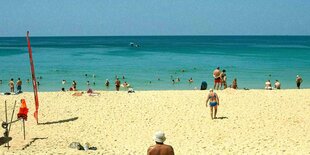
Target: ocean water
x=250, y=59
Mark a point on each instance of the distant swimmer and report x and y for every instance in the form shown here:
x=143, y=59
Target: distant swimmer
x=86, y=75
x=160, y=148
x=94, y=83
x=63, y=82
x=173, y=82
x=298, y=81
x=0, y=81
x=88, y=83
x=178, y=79
x=94, y=76
x=125, y=84
x=123, y=77
x=217, y=78
x=191, y=80
x=132, y=44
x=28, y=81
x=277, y=85
x=107, y=83
x=214, y=102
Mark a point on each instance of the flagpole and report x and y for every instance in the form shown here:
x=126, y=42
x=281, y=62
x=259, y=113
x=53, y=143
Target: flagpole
x=34, y=82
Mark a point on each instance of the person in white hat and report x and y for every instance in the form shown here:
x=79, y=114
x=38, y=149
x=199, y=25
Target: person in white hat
x=160, y=148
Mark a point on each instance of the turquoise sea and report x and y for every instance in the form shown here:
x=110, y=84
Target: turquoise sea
x=250, y=59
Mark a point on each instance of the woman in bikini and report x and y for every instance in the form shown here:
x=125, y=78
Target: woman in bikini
x=214, y=102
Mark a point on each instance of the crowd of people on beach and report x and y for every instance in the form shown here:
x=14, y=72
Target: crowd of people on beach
x=11, y=85
x=277, y=84
x=220, y=80
x=219, y=76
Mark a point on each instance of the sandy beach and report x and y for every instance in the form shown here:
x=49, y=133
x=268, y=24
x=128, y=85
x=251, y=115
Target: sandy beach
x=251, y=121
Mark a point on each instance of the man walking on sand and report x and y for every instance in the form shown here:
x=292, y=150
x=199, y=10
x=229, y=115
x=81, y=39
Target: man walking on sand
x=217, y=78
x=298, y=81
x=160, y=148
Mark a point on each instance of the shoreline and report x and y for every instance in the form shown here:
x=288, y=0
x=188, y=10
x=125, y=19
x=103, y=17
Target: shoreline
x=166, y=90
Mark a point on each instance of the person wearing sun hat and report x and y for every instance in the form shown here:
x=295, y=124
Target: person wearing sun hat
x=160, y=148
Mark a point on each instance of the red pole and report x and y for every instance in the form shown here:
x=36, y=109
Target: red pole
x=34, y=81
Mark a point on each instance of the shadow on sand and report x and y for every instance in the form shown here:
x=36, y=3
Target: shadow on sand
x=4, y=140
x=60, y=121
x=32, y=141
x=221, y=118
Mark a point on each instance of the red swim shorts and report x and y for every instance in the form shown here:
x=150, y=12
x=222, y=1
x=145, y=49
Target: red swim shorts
x=218, y=80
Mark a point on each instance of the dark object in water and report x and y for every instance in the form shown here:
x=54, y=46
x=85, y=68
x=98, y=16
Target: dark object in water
x=204, y=85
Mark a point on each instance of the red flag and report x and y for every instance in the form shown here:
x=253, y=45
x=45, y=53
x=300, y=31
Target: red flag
x=34, y=82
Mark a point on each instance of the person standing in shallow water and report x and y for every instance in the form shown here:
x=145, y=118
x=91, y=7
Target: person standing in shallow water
x=223, y=79
x=74, y=85
x=217, y=78
x=107, y=83
x=19, y=85
x=11, y=85
x=214, y=103
x=234, y=84
x=298, y=81
x=277, y=85
x=117, y=84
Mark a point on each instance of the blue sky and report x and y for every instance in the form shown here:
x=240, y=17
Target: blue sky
x=154, y=17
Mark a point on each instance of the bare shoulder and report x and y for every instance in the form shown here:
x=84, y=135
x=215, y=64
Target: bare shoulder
x=170, y=150
x=150, y=148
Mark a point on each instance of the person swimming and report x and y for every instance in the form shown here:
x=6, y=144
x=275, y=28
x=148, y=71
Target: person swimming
x=191, y=80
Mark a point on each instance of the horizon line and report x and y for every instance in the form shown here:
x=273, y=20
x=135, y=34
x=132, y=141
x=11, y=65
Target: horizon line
x=186, y=35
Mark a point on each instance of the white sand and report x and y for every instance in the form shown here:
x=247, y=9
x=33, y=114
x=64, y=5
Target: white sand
x=255, y=121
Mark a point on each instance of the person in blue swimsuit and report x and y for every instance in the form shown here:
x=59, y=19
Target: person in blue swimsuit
x=214, y=102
